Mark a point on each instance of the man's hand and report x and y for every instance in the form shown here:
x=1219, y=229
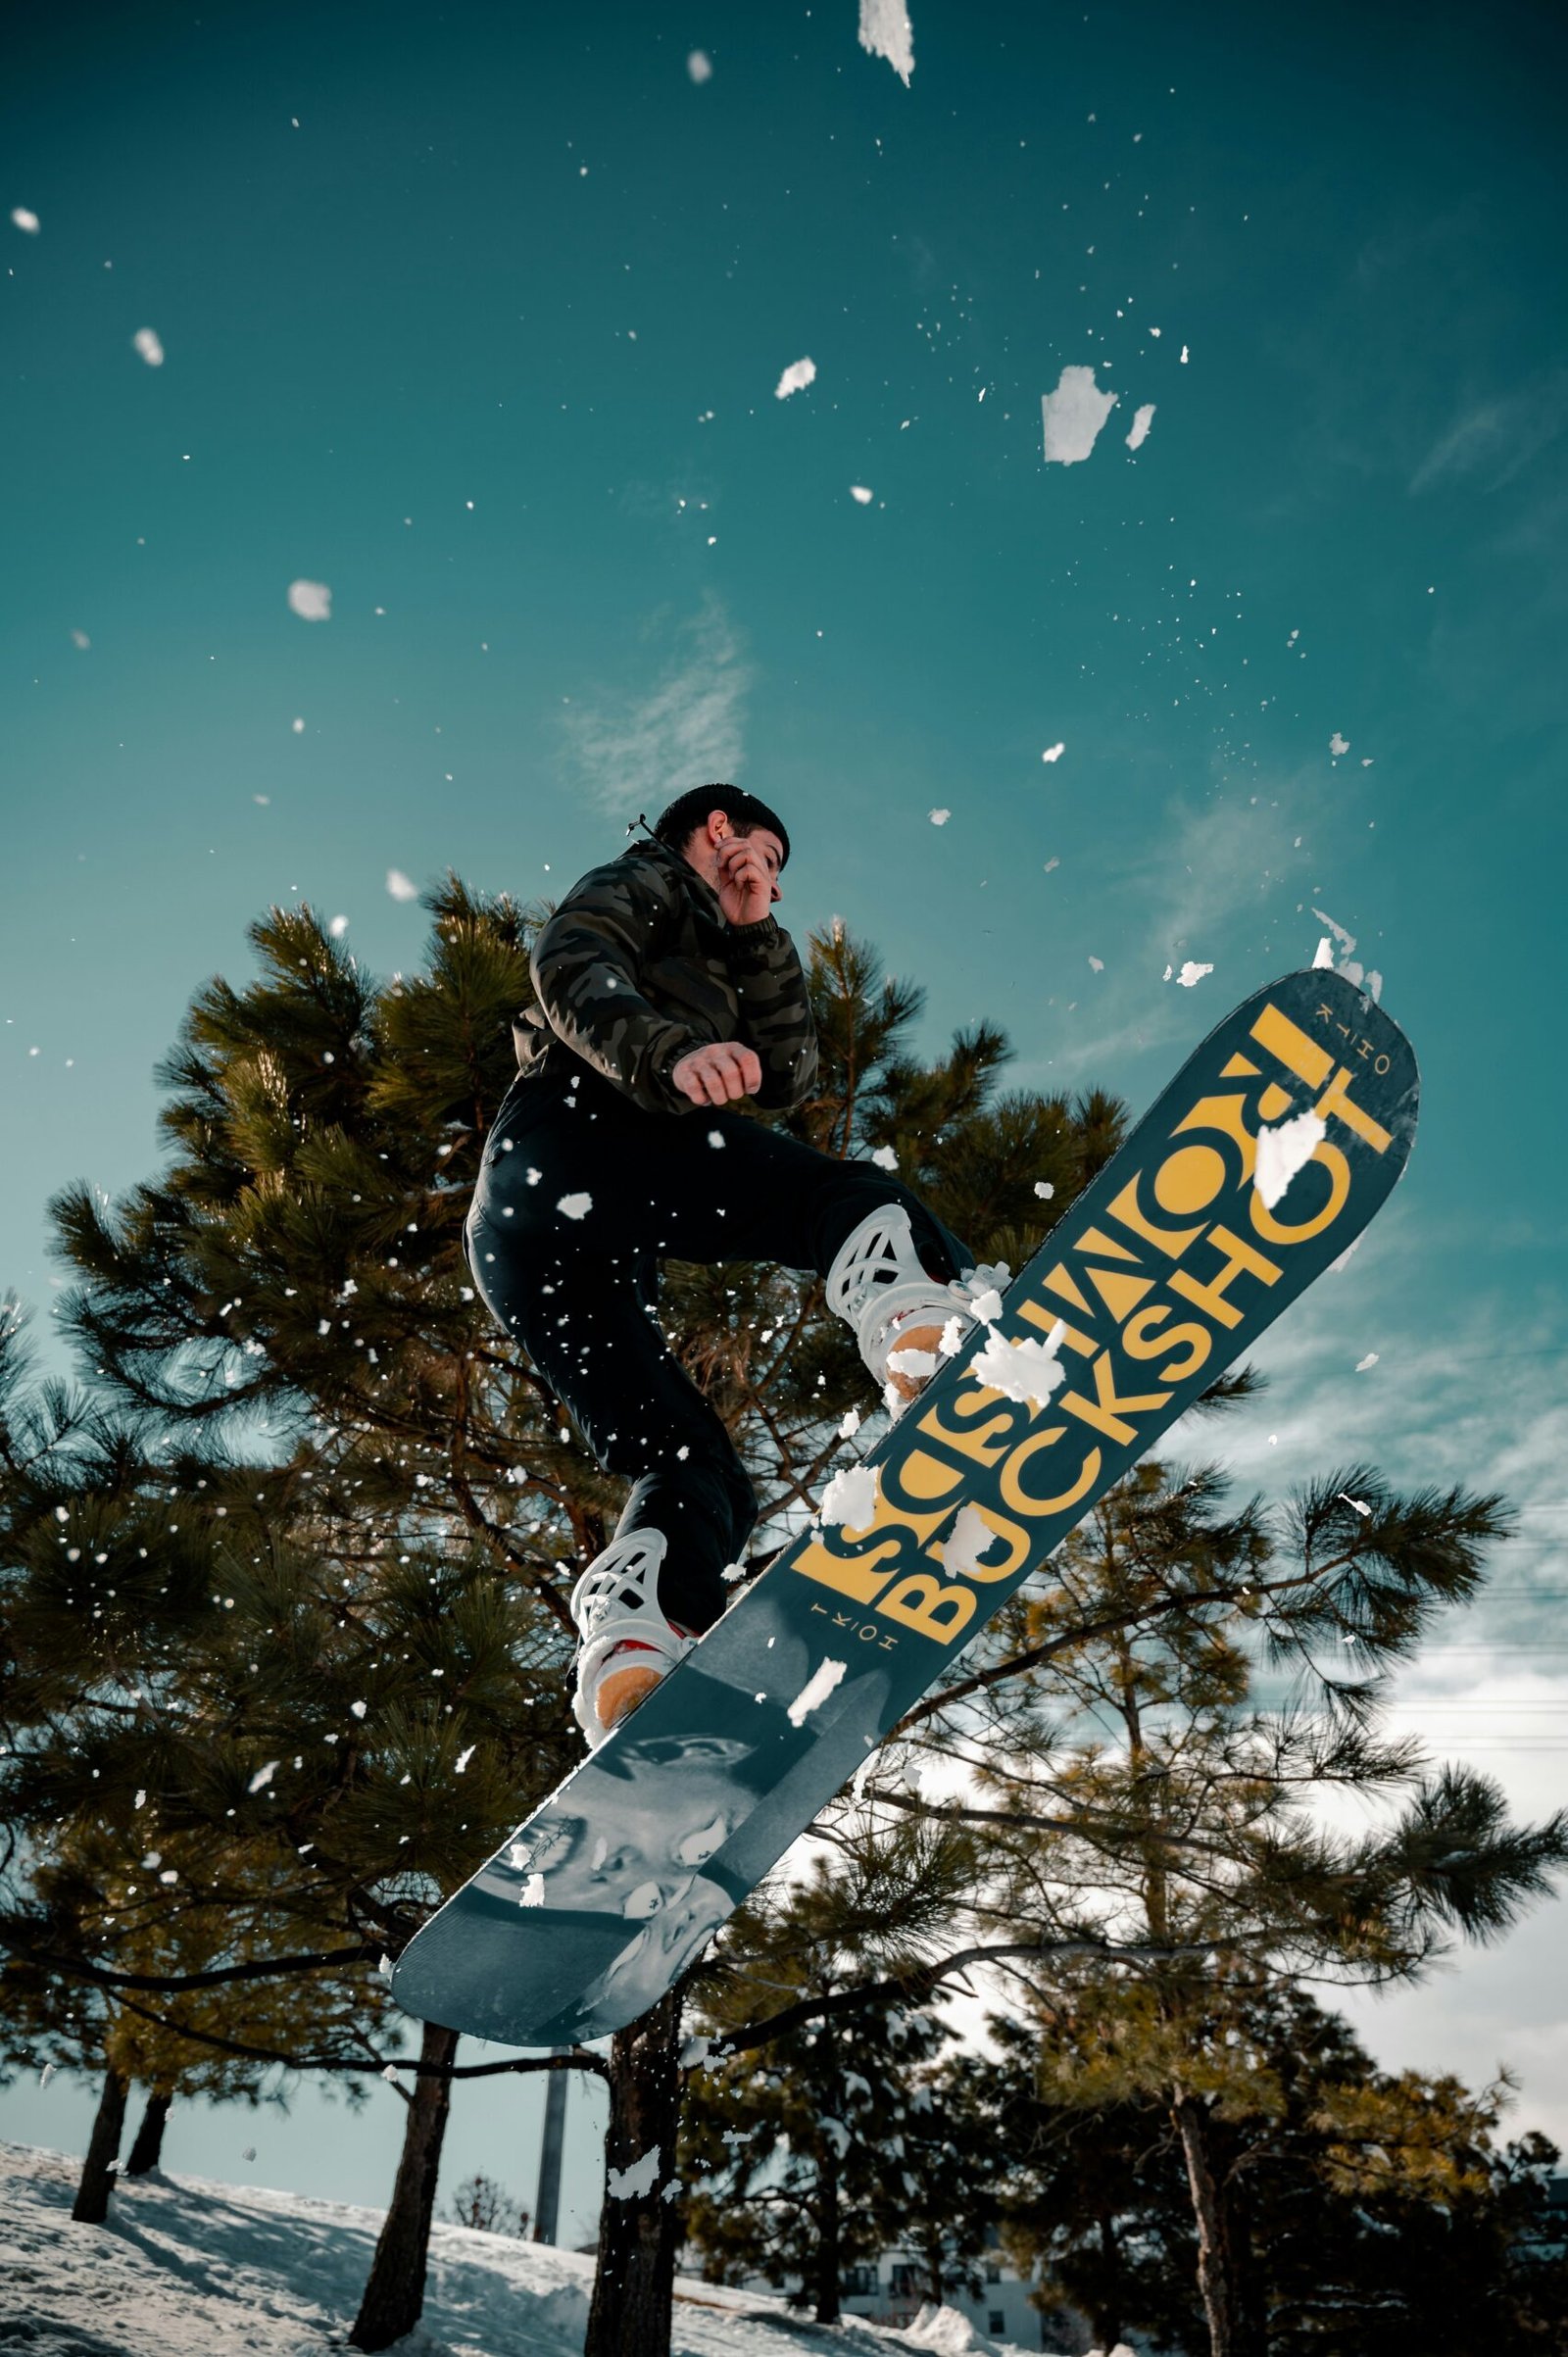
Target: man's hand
x=745, y=880
x=717, y=1075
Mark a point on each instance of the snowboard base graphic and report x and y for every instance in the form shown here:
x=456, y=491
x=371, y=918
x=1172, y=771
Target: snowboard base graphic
x=1169, y=1266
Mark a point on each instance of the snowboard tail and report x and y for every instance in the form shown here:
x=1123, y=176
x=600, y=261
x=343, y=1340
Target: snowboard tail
x=1172, y=1262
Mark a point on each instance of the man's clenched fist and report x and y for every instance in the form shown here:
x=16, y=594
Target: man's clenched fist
x=717, y=1075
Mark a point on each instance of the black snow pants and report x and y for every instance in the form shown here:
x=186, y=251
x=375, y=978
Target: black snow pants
x=581, y=1194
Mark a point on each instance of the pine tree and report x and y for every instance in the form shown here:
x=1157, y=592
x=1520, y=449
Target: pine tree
x=802, y=2157
x=1145, y=1820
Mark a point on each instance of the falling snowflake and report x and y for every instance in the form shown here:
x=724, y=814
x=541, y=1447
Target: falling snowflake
x=311, y=600
x=1074, y=415
x=795, y=380
x=886, y=31
x=401, y=887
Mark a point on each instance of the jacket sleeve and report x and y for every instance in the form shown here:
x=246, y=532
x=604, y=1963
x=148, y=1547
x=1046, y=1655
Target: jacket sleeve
x=585, y=963
x=775, y=1011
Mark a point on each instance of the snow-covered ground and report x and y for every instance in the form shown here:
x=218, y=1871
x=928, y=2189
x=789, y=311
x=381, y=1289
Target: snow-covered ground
x=186, y=2268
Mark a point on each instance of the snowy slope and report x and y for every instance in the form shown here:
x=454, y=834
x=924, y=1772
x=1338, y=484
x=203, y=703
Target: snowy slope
x=189, y=2269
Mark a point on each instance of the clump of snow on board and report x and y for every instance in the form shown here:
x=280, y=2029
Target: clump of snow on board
x=886, y=31
x=1283, y=1151
x=851, y=1497
x=968, y=1542
x=819, y=1686
x=1027, y=1370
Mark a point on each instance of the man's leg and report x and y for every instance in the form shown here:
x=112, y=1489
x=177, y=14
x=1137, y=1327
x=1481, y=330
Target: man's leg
x=578, y=1295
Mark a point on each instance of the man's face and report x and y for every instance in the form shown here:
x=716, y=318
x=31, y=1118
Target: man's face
x=706, y=849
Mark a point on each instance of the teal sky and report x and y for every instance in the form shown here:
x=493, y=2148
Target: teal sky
x=476, y=317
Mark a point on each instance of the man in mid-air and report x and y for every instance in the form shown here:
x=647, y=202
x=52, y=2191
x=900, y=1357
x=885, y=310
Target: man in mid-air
x=668, y=995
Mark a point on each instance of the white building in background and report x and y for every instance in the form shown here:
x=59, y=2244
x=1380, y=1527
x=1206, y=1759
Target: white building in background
x=891, y=2290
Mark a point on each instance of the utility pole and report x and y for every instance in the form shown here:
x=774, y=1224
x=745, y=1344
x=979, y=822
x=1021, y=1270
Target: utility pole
x=547, y=2207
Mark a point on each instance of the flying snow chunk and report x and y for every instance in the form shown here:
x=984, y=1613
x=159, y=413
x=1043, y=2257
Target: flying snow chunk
x=939, y=818
x=1028, y=1371
x=1054, y=752
x=338, y=928
x=576, y=1207
x=819, y=1686
x=1339, y=744
x=795, y=380
x=630, y=2185
x=80, y=640
x=1142, y=419
x=886, y=31
x=1283, y=1151
x=1098, y=964
x=311, y=600
x=148, y=344
x=401, y=887
x=700, y=65
x=263, y=1777
x=1191, y=973
x=1358, y=1505
x=298, y=727
x=1045, y=1190
x=1324, y=953
x=858, y=492
x=850, y=1498
x=1074, y=415
x=25, y=219
x=1370, y=1360
x=850, y=1424
x=885, y=1159
x=459, y=1764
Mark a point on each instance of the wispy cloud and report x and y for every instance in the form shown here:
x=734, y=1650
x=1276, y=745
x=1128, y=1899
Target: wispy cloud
x=1192, y=889
x=1494, y=440
x=635, y=747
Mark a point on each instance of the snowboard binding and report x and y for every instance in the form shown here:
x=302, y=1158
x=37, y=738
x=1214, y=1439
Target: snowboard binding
x=628, y=1647
x=904, y=1320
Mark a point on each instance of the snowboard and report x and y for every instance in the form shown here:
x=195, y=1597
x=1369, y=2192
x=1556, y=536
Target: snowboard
x=1172, y=1262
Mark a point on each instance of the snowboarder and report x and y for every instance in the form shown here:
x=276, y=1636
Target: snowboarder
x=667, y=993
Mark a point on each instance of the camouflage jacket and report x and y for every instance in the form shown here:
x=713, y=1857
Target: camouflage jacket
x=638, y=965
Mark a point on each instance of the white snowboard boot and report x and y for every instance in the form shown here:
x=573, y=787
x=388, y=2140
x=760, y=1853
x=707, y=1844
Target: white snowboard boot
x=904, y=1320
x=627, y=1645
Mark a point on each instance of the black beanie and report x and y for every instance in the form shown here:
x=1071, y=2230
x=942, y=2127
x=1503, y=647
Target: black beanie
x=688, y=811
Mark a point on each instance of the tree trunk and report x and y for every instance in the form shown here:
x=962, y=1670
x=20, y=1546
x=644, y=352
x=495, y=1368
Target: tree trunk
x=394, y=2295
x=1105, y=2308
x=1215, y=2276
x=91, y=2205
x=828, y=2270
x=147, y=2148
x=638, y=2227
